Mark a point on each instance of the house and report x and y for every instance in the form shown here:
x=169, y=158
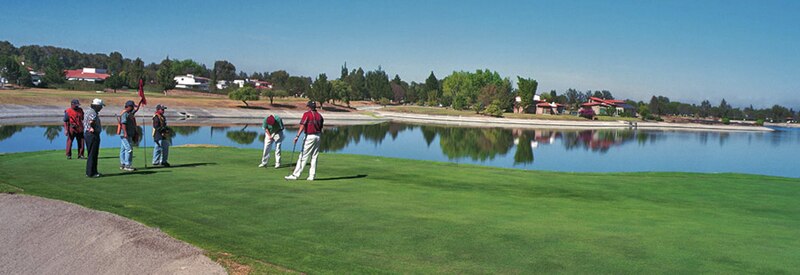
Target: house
x=262, y=84
x=86, y=74
x=222, y=84
x=36, y=77
x=191, y=81
x=601, y=106
x=542, y=107
x=530, y=109
x=239, y=82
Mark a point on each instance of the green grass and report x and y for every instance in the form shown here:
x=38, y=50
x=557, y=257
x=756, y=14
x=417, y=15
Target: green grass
x=383, y=215
x=451, y=112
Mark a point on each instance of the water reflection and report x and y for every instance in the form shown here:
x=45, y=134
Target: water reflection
x=9, y=131
x=549, y=149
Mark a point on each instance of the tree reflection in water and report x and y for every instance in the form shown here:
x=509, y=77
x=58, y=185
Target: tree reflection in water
x=242, y=136
x=52, y=132
x=8, y=131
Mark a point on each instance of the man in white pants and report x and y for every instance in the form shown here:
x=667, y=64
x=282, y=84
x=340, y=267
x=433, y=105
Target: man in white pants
x=311, y=124
x=273, y=129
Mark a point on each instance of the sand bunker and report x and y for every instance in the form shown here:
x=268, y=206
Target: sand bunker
x=43, y=236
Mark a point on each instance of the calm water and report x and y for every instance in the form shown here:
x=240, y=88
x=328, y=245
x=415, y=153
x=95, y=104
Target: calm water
x=774, y=153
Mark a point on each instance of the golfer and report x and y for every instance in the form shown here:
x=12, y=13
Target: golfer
x=127, y=130
x=92, y=129
x=73, y=127
x=311, y=124
x=273, y=128
x=162, y=136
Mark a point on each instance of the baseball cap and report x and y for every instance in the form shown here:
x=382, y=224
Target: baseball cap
x=98, y=102
x=76, y=102
x=311, y=104
x=270, y=120
x=161, y=107
x=130, y=103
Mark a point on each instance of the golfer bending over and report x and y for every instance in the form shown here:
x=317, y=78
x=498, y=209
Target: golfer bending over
x=311, y=124
x=273, y=128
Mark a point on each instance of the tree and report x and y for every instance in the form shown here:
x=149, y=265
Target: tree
x=432, y=91
x=279, y=79
x=272, y=93
x=224, y=70
x=654, y=105
x=573, y=98
x=245, y=94
x=320, y=89
x=25, y=79
x=357, y=82
x=297, y=86
x=724, y=108
x=343, y=76
x=188, y=66
x=342, y=91
x=135, y=72
x=165, y=75
x=54, y=71
x=115, y=81
x=606, y=94
x=705, y=108
x=10, y=69
x=115, y=62
x=377, y=83
x=527, y=89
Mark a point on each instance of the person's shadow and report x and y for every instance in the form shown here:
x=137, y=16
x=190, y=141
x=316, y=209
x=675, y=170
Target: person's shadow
x=342, y=178
x=129, y=173
x=183, y=165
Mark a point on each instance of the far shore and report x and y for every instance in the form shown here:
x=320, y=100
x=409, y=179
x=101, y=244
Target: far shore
x=46, y=106
x=27, y=114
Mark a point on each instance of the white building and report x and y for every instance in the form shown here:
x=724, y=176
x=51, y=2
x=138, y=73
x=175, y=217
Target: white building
x=191, y=81
x=222, y=84
x=239, y=82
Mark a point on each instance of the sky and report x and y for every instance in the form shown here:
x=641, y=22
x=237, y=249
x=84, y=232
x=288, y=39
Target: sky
x=747, y=52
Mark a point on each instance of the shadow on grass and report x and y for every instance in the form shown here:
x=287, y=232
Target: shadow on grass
x=335, y=110
x=287, y=106
x=343, y=178
x=253, y=107
x=129, y=173
x=184, y=165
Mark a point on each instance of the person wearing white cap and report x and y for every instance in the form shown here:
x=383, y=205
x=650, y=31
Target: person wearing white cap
x=92, y=129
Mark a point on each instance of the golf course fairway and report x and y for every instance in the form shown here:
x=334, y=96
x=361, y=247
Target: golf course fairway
x=369, y=214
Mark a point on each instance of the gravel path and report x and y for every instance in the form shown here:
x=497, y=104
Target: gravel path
x=43, y=236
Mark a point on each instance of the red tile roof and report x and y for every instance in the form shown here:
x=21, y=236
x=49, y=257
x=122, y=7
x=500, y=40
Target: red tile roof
x=80, y=74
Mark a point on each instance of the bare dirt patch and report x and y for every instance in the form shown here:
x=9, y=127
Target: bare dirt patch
x=43, y=236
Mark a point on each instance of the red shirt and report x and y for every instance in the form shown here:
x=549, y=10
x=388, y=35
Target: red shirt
x=312, y=121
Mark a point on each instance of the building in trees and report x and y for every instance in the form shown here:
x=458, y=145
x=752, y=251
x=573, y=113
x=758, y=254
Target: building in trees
x=87, y=74
x=191, y=81
x=602, y=106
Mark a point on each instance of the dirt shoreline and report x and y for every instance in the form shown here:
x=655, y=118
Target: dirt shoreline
x=19, y=114
x=44, y=236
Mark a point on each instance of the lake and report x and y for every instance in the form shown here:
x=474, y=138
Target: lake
x=606, y=150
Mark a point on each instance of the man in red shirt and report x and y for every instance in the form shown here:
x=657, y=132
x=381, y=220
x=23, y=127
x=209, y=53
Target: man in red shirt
x=311, y=124
x=73, y=127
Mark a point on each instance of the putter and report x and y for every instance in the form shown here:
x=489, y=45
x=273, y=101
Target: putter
x=294, y=145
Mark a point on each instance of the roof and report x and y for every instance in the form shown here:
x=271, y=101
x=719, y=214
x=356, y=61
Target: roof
x=80, y=74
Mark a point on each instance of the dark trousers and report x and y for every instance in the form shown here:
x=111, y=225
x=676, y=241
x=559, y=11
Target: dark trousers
x=70, y=138
x=93, y=146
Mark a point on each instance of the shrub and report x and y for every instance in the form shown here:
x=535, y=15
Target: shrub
x=760, y=122
x=494, y=109
x=726, y=121
x=586, y=113
x=383, y=101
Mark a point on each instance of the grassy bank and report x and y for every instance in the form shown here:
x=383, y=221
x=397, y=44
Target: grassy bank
x=375, y=215
x=451, y=112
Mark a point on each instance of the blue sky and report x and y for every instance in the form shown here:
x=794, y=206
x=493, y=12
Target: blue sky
x=747, y=52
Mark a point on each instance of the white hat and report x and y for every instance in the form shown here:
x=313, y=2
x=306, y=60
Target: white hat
x=98, y=102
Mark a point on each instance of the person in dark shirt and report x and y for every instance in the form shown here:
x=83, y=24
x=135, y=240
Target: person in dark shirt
x=161, y=136
x=127, y=124
x=92, y=129
x=311, y=124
